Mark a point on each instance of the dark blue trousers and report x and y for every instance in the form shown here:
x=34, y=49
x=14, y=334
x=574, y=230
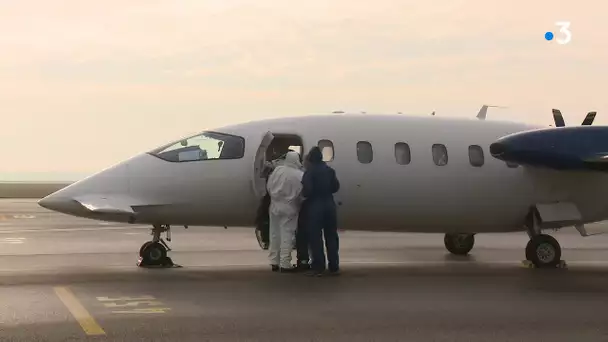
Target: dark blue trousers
x=302, y=237
x=322, y=222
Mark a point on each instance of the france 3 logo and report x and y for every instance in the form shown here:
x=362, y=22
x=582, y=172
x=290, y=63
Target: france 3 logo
x=565, y=35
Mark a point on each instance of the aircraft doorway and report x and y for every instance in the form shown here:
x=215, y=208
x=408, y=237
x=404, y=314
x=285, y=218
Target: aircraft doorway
x=280, y=145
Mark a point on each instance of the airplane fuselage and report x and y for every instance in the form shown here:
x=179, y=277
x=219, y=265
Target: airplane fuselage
x=381, y=194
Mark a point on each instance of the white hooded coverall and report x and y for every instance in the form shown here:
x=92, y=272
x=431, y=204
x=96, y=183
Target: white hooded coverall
x=284, y=187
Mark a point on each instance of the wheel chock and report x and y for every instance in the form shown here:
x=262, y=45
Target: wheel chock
x=529, y=264
x=167, y=263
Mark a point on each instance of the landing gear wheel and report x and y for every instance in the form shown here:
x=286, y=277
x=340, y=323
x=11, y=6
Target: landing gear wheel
x=459, y=244
x=544, y=251
x=153, y=254
x=143, y=247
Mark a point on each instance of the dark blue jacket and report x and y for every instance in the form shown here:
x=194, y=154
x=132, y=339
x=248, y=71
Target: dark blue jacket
x=319, y=180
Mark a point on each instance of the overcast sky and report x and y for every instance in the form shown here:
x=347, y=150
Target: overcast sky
x=85, y=84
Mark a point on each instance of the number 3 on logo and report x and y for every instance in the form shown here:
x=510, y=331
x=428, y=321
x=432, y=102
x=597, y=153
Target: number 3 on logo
x=564, y=28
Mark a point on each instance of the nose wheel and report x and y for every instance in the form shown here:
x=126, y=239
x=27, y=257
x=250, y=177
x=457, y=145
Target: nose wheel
x=154, y=253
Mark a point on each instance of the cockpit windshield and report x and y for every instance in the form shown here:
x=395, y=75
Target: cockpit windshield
x=204, y=146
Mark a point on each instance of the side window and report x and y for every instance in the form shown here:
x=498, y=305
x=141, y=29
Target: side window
x=440, y=154
x=476, y=155
x=327, y=149
x=365, y=154
x=403, y=155
x=512, y=165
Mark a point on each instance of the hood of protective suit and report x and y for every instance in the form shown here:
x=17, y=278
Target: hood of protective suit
x=285, y=186
x=292, y=159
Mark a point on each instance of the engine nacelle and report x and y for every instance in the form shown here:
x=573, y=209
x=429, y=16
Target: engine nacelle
x=564, y=148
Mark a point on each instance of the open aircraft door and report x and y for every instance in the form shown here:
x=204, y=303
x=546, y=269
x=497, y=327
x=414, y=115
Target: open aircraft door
x=258, y=180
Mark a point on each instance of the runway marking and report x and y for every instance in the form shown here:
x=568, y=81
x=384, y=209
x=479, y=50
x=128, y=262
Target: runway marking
x=13, y=241
x=24, y=216
x=84, y=318
x=143, y=311
x=128, y=302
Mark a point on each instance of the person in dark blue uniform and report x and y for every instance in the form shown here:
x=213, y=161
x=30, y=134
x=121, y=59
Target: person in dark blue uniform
x=303, y=263
x=319, y=184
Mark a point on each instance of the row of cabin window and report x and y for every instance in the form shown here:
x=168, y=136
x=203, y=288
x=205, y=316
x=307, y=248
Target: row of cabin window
x=365, y=153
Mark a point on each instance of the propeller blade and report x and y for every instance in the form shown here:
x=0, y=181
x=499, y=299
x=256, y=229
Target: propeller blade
x=558, y=118
x=589, y=119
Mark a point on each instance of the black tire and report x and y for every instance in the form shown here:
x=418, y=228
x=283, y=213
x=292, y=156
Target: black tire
x=459, y=244
x=544, y=251
x=141, y=250
x=153, y=253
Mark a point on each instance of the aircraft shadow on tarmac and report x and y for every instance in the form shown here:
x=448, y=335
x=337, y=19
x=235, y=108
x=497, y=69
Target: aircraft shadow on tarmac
x=463, y=258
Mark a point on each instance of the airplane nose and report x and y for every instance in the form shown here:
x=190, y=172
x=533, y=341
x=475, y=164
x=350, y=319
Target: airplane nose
x=59, y=204
x=44, y=202
x=50, y=203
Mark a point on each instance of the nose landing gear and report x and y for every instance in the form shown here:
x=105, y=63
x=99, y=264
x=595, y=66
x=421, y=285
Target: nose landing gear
x=154, y=253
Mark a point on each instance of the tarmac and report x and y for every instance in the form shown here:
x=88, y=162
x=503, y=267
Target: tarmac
x=70, y=279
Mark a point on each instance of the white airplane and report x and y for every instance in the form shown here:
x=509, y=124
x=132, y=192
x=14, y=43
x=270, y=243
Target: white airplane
x=397, y=173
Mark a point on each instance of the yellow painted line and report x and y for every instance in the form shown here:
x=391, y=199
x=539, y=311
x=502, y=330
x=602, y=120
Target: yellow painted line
x=119, y=299
x=116, y=305
x=84, y=318
x=143, y=311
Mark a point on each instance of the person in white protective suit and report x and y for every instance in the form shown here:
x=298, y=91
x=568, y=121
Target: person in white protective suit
x=284, y=187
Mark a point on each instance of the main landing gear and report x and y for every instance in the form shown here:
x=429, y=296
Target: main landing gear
x=459, y=244
x=154, y=252
x=542, y=251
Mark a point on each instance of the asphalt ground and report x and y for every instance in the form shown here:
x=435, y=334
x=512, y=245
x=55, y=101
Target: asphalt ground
x=70, y=279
